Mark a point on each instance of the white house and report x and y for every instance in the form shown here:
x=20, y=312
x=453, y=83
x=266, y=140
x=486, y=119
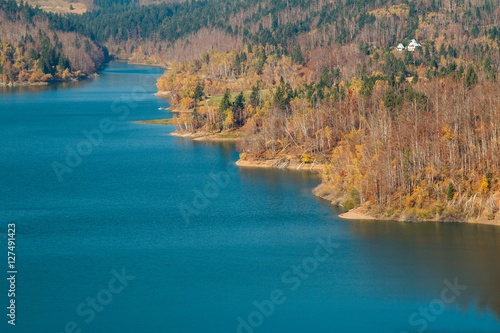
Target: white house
x=400, y=47
x=413, y=45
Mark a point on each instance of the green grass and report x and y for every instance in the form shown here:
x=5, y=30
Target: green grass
x=229, y=135
x=168, y=121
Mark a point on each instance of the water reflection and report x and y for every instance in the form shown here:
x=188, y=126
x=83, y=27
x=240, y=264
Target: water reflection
x=43, y=88
x=425, y=254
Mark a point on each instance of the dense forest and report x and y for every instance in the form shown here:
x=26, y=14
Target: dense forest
x=184, y=30
x=31, y=51
x=409, y=134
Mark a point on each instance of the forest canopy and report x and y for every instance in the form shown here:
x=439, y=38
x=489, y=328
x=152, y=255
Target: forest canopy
x=31, y=50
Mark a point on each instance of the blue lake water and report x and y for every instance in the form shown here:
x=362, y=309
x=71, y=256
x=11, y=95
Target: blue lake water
x=145, y=232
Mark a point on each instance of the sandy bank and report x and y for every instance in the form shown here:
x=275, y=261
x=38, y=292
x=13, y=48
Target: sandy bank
x=360, y=213
x=369, y=212
x=279, y=164
x=356, y=214
x=162, y=93
x=203, y=136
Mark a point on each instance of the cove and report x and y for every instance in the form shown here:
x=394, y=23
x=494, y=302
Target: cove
x=121, y=209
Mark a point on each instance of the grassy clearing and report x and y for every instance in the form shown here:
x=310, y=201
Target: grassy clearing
x=229, y=135
x=60, y=6
x=168, y=121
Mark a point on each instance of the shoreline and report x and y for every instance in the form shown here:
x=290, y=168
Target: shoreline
x=197, y=136
x=355, y=214
x=83, y=77
x=276, y=163
x=117, y=59
x=166, y=121
x=24, y=84
x=279, y=163
x=360, y=213
x=286, y=162
x=50, y=82
x=365, y=212
x=203, y=136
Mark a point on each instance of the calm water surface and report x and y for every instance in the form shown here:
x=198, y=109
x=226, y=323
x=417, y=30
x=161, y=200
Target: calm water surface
x=135, y=204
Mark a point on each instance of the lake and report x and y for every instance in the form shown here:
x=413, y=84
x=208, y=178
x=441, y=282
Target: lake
x=121, y=227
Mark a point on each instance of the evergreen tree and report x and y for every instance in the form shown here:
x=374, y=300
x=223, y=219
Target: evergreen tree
x=255, y=95
x=415, y=79
x=225, y=103
x=198, y=93
x=297, y=55
x=324, y=80
x=238, y=106
x=471, y=77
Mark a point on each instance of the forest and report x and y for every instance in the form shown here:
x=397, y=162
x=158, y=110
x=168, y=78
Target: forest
x=182, y=31
x=33, y=52
x=410, y=135
x=170, y=31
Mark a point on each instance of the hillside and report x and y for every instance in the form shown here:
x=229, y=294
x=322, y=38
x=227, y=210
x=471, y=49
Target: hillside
x=182, y=31
x=410, y=134
x=33, y=51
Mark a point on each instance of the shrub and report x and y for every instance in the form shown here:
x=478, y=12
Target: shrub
x=349, y=204
x=424, y=214
x=352, y=201
x=306, y=158
x=451, y=191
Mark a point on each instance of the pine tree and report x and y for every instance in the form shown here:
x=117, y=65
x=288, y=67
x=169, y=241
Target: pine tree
x=297, y=55
x=415, y=79
x=225, y=103
x=471, y=77
x=238, y=106
x=198, y=93
x=255, y=95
